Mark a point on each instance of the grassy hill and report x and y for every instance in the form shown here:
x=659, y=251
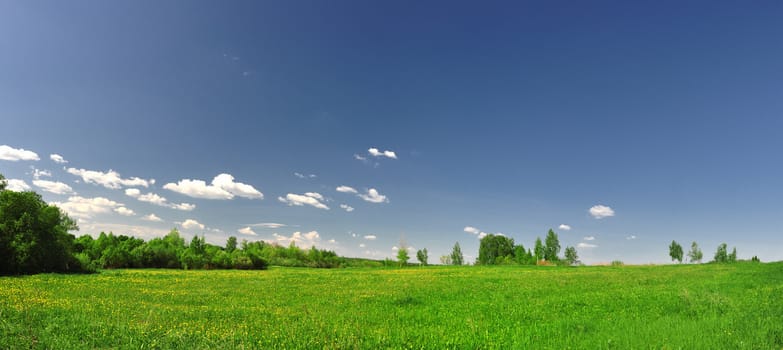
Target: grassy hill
x=631, y=307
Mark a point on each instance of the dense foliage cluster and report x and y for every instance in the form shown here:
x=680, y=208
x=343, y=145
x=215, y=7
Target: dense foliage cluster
x=501, y=250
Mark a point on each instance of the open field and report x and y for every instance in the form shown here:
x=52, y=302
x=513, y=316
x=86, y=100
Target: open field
x=694, y=306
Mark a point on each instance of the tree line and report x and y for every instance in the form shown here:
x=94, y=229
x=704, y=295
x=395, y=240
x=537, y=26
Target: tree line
x=695, y=255
x=501, y=250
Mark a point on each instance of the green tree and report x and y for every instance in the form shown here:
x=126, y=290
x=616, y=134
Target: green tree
x=402, y=255
x=231, y=244
x=495, y=248
x=695, y=254
x=552, y=247
x=538, y=251
x=445, y=259
x=733, y=256
x=570, y=256
x=721, y=255
x=456, y=255
x=422, y=256
x=675, y=251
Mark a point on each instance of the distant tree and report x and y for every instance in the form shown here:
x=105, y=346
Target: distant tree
x=231, y=244
x=522, y=256
x=539, y=250
x=675, y=251
x=755, y=259
x=495, y=248
x=733, y=256
x=421, y=255
x=552, y=247
x=445, y=259
x=456, y=255
x=402, y=256
x=695, y=255
x=3, y=183
x=570, y=256
x=721, y=254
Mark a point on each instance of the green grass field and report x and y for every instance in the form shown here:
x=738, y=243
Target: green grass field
x=632, y=307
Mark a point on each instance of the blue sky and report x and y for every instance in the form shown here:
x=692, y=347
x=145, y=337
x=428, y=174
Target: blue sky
x=503, y=117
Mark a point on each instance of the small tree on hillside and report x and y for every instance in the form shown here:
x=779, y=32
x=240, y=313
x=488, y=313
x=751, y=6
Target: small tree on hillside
x=733, y=255
x=675, y=251
x=695, y=255
x=422, y=256
x=402, y=256
x=456, y=255
x=721, y=255
x=571, y=256
x=552, y=247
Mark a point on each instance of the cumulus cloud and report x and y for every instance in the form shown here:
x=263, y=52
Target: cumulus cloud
x=13, y=154
x=222, y=187
x=373, y=196
x=192, y=224
x=564, y=227
x=293, y=199
x=157, y=200
x=151, y=217
x=346, y=189
x=630, y=237
x=589, y=238
x=247, y=231
x=110, y=179
x=370, y=237
x=585, y=245
x=471, y=229
x=377, y=153
x=601, y=211
x=53, y=187
x=17, y=185
x=315, y=195
x=57, y=158
x=347, y=207
x=124, y=211
x=85, y=208
x=37, y=173
x=268, y=225
x=299, y=238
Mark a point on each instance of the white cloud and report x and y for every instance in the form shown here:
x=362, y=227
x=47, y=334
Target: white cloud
x=110, y=179
x=301, y=239
x=370, y=237
x=564, y=227
x=394, y=248
x=347, y=207
x=630, y=237
x=247, y=231
x=157, y=200
x=303, y=176
x=37, y=173
x=57, y=158
x=192, y=224
x=362, y=245
x=332, y=241
x=482, y=235
x=589, y=238
x=222, y=187
x=585, y=245
x=124, y=211
x=268, y=225
x=53, y=187
x=601, y=211
x=85, y=208
x=299, y=200
x=17, y=185
x=346, y=189
x=13, y=154
x=152, y=217
x=373, y=196
x=471, y=229
x=315, y=195
x=377, y=153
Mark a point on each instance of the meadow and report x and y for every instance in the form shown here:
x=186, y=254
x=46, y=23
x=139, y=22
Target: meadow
x=710, y=306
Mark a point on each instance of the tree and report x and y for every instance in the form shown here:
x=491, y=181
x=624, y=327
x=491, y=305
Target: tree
x=494, y=249
x=445, y=259
x=422, y=256
x=231, y=244
x=695, y=255
x=402, y=256
x=3, y=183
x=675, y=251
x=571, y=256
x=456, y=255
x=552, y=247
x=538, y=251
x=733, y=255
x=721, y=256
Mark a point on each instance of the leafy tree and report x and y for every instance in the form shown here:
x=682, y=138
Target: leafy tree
x=522, y=256
x=675, y=251
x=3, y=183
x=552, y=247
x=456, y=255
x=495, y=248
x=733, y=256
x=695, y=255
x=539, y=249
x=422, y=256
x=445, y=259
x=402, y=255
x=231, y=244
x=721, y=255
x=570, y=255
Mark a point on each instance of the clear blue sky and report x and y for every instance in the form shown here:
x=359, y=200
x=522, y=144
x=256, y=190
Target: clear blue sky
x=507, y=117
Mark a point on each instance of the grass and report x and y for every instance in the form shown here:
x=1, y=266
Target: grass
x=632, y=307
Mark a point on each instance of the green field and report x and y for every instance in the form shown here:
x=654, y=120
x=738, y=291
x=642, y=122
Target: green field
x=633, y=307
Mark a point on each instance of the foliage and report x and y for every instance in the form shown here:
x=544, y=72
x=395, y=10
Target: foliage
x=570, y=256
x=552, y=247
x=539, y=250
x=445, y=259
x=695, y=254
x=456, y=255
x=421, y=255
x=402, y=255
x=617, y=263
x=675, y=251
x=494, y=249
x=721, y=255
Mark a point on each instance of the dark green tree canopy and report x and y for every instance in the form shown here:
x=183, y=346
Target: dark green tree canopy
x=552, y=247
x=493, y=248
